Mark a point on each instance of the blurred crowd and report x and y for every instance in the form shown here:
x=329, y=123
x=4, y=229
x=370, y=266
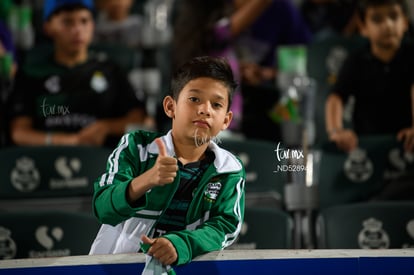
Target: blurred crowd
x=85, y=81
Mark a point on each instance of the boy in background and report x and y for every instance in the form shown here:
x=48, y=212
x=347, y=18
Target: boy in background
x=379, y=77
x=179, y=193
x=71, y=97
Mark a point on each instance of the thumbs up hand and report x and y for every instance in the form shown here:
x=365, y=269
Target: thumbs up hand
x=163, y=172
x=165, y=168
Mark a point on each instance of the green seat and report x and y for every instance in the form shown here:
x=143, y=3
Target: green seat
x=46, y=234
x=324, y=59
x=346, y=178
x=265, y=228
x=369, y=225
x=50, y=171
x=264, y=186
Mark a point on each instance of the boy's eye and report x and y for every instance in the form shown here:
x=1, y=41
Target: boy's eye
x=393, y=16
x=376, y=18
x=193, y=99
x=67, y=22
x=85, y=21
x=217, y=105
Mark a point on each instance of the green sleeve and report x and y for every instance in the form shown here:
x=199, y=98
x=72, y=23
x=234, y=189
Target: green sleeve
x=109, y=201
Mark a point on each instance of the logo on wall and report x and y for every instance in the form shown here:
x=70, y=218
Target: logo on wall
x=25, y=177
x=7, y=245
x=56, y=234
x=68, y=168
x=400, y=162
x=47, y=238
x=410, y=230
x=358, y=167
x=372, y=236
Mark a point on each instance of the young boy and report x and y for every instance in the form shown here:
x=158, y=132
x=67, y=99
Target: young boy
x=71, y=97
x=180, y=192
x=380, y=78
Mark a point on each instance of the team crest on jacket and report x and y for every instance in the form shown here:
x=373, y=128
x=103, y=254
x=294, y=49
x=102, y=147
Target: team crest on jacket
x=213, y=189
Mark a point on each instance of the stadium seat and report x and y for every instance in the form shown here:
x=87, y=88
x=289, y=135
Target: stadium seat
x=33, y=174
x=264, y=186
x=46, y=234
x=265, y=228
x=367, y=225
x=354, y=177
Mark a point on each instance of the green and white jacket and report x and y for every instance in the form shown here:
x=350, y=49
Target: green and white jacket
x=214, y=217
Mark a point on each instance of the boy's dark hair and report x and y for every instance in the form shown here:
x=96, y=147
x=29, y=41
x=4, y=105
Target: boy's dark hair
x=216, y=68
x=363, y=5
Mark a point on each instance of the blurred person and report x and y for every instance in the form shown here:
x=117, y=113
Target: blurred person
x=8, y=56
x=280, y=24
x=71, y=97
x=410, y=5
x=330, y=17
x=211, y=28
x=115, y=23
x=177, y=195
x=8, y=67
x=380, y=77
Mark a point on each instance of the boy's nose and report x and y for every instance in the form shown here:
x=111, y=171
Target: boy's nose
x=204, y=109
x=388, y=23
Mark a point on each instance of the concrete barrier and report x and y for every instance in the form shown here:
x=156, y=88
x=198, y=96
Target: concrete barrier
x=258, y=262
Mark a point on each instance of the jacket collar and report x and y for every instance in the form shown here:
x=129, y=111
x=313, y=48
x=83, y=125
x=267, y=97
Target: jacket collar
x=224, y=162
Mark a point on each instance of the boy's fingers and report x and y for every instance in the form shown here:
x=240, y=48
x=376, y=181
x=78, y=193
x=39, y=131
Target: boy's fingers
x=161, y=147
x=147, y=240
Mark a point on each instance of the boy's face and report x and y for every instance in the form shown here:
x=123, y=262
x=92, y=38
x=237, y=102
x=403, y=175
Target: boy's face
x=200, y=111
x=71, y=31
x=385, y=26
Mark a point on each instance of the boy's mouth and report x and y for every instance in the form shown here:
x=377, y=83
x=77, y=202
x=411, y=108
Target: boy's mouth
x=201, y=123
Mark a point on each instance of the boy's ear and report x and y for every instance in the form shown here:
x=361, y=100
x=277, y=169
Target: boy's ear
x=227, y=120
x=407, y=23
x=361, y=27
x=47, y=29
x=169, y=106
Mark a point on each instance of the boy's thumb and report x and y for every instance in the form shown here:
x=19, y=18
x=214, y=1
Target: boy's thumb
x=146, y=240
x=161, y=147
x=146, y=243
